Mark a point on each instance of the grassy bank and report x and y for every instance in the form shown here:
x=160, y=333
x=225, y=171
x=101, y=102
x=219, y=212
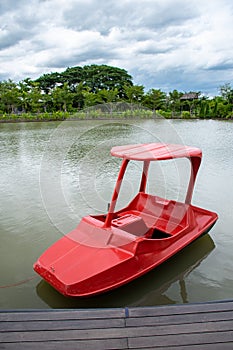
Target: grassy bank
x=92, y=114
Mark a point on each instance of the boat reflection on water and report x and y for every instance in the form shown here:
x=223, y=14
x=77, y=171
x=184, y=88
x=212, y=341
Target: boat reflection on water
x=147, y=290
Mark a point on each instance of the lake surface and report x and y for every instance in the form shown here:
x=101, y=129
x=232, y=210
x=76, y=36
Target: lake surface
x=52, y=174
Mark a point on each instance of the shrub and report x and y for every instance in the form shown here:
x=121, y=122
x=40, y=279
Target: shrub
x=185, y=114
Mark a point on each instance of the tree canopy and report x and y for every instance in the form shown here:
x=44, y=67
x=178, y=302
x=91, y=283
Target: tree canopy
x=93, y=78
x=78, y=87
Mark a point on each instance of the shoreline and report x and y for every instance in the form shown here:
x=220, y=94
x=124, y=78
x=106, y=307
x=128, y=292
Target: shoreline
x=14, y=121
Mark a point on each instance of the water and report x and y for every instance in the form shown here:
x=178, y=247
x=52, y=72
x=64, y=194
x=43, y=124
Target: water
x=54, y=173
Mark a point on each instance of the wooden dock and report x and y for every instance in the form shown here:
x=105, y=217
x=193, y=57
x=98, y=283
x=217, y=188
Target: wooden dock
x=188, y=326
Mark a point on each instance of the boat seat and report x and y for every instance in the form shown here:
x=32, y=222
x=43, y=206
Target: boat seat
x=153, y=227
x=131, y=223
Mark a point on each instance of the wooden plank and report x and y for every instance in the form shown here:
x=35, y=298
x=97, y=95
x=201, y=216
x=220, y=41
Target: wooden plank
x=181, y=340
x=181, y=309
x=116, y=344
x=178, y=329
x=197, y=326
x=61, y=324
x=112, y=324
x=57, y=326
x=72, y=314
x=181, y=319
x=142, y=331
x=131, y=321
x=9, y=337
x=61, y=314
x=218, y=346
x=107, y=344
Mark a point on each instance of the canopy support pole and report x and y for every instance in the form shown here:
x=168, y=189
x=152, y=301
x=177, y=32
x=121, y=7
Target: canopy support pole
x=195, y=164
x=144, y=176
x=115, y=193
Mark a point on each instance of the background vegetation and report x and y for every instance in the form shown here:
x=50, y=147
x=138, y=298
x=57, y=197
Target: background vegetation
x=77, y=89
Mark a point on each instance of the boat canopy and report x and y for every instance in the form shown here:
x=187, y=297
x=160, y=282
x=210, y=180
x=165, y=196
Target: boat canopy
x=155, y=151
x=147, y=152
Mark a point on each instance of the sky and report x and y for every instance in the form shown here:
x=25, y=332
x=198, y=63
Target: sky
x=163, y=44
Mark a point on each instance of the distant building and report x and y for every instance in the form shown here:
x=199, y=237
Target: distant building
x=188, y=102
x=189, y=96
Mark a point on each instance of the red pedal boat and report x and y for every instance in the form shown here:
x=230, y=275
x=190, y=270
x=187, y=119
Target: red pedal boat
x=107, y=251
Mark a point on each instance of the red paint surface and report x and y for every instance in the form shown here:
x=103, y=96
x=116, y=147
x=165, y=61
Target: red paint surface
x=107, y=251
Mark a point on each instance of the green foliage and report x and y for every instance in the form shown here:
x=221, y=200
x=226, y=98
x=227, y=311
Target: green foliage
x=108, y=95
x=164, y=114
x=70, y=93
x=155, y=99
x=185, y=114
x=134, y=94
x=204, y=109
x=174, y=101
x=99, y=77
x=222, y=110
x=91, y=99
x=35, y=117
x=227, y=92
x=229, y=115
x=215, y=109
x=92, y=77
x=9, y=97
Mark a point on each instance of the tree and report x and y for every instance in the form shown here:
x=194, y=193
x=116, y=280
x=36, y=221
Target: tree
x=9, y=96
x=174, y=101
x=90, y=99
x=24, y=88
x=134, y=93
x=78, y=87
x=222, y=110
x=202, y=111
x=35, y=97
x=99, y=77
x=73, y=76
x=215, y=109
x=93, y=78
x=47, y=82
x=155, y=99
x=207, y=110
x=62, y=97
x=226, y=92
x=108, y=95
x=78, y=96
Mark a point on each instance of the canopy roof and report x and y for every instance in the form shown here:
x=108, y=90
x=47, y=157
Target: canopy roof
x=155, y=151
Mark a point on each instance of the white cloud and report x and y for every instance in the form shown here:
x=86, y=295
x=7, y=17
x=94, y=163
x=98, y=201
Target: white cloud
x=167, y=44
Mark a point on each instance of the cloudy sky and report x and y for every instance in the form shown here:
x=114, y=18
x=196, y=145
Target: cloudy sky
x=164, y=44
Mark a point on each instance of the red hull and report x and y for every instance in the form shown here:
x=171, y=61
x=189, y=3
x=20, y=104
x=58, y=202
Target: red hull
x=93, y=259
x=107, y=251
